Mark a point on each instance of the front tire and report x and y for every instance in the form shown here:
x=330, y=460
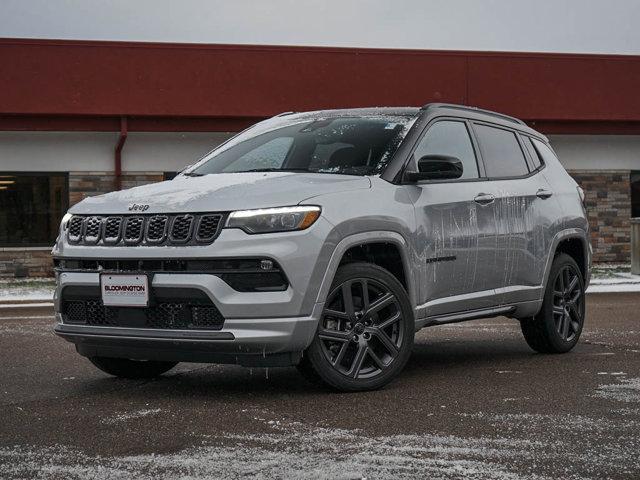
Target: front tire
x=366, y=332
x=134, y=369
x=558, y=325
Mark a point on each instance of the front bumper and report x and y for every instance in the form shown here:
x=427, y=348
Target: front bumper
x=259, y=327
x=249, y=342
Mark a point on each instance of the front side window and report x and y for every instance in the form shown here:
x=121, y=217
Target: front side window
x=31, y=207
x=344, y=145
x=449, y=138
x=501, y=152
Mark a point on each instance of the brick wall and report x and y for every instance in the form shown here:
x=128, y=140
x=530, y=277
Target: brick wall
x=29, y=262
x=608, y=201
x=88, y=184
x=36, y=262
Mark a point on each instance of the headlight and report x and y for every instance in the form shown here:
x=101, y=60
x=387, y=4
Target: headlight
x=269, y=220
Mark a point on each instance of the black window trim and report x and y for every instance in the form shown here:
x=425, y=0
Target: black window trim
x=65, y=206
x=411, y=161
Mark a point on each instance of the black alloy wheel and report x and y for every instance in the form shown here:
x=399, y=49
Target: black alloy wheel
x=361, y=330
x=568, y=303
x=366, y=332
x=558, y=325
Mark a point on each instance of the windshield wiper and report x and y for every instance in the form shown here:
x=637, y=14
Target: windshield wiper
x=194, y=174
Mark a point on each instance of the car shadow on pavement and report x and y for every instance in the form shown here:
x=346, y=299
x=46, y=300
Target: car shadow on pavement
x=428, y=362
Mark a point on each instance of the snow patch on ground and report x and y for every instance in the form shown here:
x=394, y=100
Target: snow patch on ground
x=613, y=288
x=130, y=416
x=628, y=391
x=26, y=290
x=295, y=450
x=25, y=327
x=291, y=451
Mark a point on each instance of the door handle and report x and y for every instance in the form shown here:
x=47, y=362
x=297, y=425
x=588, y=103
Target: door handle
x=543, y=193
x=484, y=198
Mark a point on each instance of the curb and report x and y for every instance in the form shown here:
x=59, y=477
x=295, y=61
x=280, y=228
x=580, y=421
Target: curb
x=20, y=309
x=21, y=301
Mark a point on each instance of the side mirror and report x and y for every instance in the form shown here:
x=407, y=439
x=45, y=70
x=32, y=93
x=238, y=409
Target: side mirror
x=436, y=167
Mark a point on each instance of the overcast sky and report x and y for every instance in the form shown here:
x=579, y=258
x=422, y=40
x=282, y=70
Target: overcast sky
x=591, y=26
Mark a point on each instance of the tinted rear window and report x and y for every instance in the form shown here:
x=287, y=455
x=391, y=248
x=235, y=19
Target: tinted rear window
x=533, y=153
x=501, y=152
x=545, y=152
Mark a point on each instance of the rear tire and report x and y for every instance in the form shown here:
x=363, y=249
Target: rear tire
x=558, y=325
x=134, y=369
x=365, y=335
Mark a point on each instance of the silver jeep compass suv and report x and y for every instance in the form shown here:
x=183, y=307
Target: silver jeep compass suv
x=325, y=240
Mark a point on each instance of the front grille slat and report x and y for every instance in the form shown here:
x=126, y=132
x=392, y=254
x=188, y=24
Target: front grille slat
x=92, y=229
x=133, y=230
x=208, y=227
x=76, y=227
x=112, y=230
x=150, y=230
x=157, y=229
x=181, y=229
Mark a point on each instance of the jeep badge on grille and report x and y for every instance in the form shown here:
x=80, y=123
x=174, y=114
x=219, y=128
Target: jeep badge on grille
x=134, y=207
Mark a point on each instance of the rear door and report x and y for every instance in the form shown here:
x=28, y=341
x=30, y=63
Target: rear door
x=520, y=192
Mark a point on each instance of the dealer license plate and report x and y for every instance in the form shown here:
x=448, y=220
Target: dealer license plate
x=124, y=290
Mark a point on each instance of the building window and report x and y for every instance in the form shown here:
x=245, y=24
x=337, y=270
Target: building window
x=635, y=194
x=31, y=207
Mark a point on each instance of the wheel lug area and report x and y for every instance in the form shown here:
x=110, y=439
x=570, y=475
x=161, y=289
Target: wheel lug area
x=355, y=339
x=367, y=336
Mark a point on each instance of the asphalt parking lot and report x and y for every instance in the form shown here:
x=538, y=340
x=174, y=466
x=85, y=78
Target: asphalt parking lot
x=474, y=402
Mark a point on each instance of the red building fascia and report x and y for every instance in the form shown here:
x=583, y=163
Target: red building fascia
x=92, y=85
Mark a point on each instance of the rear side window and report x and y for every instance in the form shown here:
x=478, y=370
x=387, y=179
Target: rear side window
x=533, y=153
x=545, y=152
x=501, y=152
x=449, y=138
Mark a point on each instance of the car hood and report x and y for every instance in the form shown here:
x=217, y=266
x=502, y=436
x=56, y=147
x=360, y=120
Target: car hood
x=221, y=192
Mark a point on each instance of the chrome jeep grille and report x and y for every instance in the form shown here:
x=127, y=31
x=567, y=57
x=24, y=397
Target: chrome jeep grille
x=112, y=230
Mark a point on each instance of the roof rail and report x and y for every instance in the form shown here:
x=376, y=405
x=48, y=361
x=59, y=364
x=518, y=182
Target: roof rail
x=284, y=114
x=455, y=106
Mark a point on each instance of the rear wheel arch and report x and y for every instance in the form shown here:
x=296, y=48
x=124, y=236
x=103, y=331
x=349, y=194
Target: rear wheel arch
x=574, y=243
x=576, y=248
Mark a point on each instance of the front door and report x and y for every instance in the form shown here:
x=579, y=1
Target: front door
x=456, y=228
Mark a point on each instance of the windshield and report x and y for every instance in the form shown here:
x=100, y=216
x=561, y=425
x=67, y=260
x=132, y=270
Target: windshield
x=346, y=145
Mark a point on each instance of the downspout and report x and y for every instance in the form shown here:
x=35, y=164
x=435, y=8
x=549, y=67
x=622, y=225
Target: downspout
x=118, y=153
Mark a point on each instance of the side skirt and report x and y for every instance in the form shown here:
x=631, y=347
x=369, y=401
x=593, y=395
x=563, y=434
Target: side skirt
x=464, y=316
